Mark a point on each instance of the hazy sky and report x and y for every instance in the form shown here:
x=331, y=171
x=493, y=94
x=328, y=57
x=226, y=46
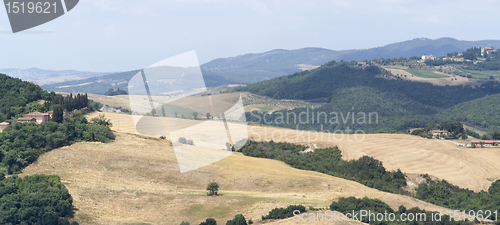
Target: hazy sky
x=119, y=35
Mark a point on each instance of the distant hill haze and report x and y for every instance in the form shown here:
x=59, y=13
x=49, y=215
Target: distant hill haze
x=42, y=77
x=251, y=68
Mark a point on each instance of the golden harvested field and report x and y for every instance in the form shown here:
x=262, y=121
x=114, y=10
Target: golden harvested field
x=472, y=168
x=136, y=179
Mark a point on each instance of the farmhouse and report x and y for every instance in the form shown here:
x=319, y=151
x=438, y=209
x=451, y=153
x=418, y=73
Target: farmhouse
x=488, y=143
x=26, y=120
x=424, y=57
x=485, y=49
x=38, y=117
x=438, y=132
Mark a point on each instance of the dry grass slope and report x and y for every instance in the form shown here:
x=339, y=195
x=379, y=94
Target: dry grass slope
x=135, y=179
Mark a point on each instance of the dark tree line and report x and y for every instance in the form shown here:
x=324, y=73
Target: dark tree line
x=365, y=170
x=70, y=102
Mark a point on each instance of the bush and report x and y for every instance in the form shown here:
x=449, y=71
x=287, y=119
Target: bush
x=209, y=221
x=163, y=137
x=282, y=213
x=238, y=220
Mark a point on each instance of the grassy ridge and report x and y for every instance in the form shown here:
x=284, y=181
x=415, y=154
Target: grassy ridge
x=425, y=74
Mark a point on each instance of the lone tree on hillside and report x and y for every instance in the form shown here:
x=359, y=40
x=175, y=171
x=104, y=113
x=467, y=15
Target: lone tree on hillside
x=212, y=188
x=195, y=115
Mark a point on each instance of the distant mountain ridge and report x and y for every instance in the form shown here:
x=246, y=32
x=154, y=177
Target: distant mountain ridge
x=41, y=77
x=254, y=67
x=250, y=68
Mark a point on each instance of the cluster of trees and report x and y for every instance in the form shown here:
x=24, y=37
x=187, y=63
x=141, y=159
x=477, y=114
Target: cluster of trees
x=456, y=130
x=492, y=62
x=472, y=53
x=444, y=194
x=493, y=136
x=112, y=92
x=37, y=199
x=22, y=143
x=365, y=170
x=282, y=213
x=237, y=220
x=441, y=62
x=70, y=102
x=375, y=206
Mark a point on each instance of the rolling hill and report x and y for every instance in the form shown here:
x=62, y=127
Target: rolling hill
x=345, y=87
x=113, y=184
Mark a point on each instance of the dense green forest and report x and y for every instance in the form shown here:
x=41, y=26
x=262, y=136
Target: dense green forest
x=19, y=97
x=375, y=206
x=365, y=170
x=350, y=91
x=37, y=199
x=22, y=143
x=15, y=95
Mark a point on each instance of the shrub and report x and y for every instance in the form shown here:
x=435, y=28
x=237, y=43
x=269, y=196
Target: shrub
x=209, y=221
x=282, y=213
x=238, y=220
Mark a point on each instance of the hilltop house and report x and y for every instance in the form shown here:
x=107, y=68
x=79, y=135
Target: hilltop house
x=424, y=57
x=485, y=49
x=439, y=132
x=38, y=117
